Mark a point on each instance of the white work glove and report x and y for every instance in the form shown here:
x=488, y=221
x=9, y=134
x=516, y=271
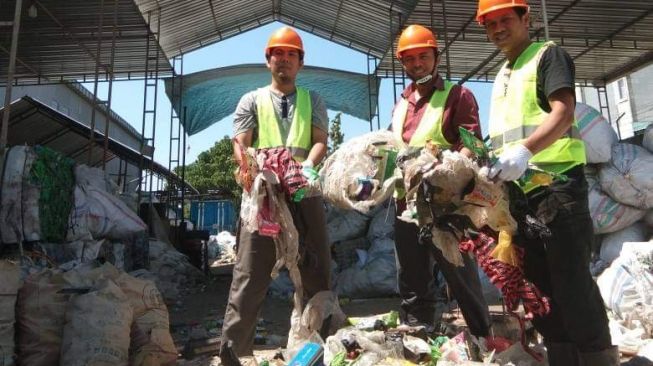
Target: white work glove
x=512, y=163
x=309, y=171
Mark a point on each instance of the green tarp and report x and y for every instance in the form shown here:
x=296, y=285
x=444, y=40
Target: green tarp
x=211, y=95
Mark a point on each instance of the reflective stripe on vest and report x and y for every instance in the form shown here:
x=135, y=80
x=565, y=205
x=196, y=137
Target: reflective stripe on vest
x=522, y=132
x=515, y=113
x=430, y=125
x=269, y=134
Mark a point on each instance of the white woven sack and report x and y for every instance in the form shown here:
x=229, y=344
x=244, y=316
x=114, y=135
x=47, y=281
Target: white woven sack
x=383, y=223
x=596, y=132
x=98, y=214
x=31, y=194
x=97, y=328
x=11, y=217
x=626, y=282
x=40, y=314
x=377, y=278
x=348, y=225
x=612, y=243
x=628, y=178
x=88, y=176
x=647, y=141
x=648, y=218
x=607, y=214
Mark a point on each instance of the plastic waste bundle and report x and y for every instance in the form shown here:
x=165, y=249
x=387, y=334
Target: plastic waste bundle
x=458, y=209
x=361, y=173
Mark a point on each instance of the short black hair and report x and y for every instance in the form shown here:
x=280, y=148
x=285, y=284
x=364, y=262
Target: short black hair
x=269, y=54
x=436, y=53
x=521, y=11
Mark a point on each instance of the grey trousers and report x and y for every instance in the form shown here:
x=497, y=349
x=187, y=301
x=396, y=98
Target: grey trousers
x=255, y=259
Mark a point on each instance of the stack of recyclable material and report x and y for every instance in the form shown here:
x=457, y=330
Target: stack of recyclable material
x=171, y=270
x=92, y=315
x=65, y=212
x=365, y=258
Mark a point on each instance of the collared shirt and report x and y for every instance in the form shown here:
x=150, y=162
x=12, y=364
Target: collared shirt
x=245, y=116
x=460, y=110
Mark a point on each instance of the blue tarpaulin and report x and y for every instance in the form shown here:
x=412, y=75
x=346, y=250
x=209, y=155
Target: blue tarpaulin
x=211, y=95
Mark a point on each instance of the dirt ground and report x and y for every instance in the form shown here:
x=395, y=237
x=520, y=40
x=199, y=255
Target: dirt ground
x=205, y=307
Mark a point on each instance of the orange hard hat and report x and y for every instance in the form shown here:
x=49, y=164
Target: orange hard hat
x=415, y=36
x=488, y=6
x=284, y=37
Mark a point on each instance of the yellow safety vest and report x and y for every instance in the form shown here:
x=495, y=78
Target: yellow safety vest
x=269, y=135
x=429, y=128
x=430, y=125
x=515, y=114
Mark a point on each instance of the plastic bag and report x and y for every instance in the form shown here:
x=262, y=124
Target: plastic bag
x=360, y=174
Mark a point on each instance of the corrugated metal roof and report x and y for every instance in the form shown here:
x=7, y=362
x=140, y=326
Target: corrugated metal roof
x=606, y=38
x=60, y=43
x=362, y=25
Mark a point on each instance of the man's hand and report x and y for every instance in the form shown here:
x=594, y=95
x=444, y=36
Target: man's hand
x=512, y=163
x=308, y=171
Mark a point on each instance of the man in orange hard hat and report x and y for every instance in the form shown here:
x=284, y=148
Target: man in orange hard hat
x=280, y=114
x=432, y=108
x=532, y=124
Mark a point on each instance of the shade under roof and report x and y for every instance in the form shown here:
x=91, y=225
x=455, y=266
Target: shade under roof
x=35, y=123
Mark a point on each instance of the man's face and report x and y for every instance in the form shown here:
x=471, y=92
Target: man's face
x=506, y=29
x=284, y=63
x=419, y=62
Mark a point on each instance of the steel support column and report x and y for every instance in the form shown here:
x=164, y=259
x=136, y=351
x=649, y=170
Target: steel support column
x=10, y=75
x=446, y=34
x=373, y=93
x=154, y=99
x=174, y=158
x=96, y=100
x=401, y=82
x=148, y=127
x=604, y=106
x=121, y=180
x=183, y=171
x=125, y=174
x=545, y=19
x=108, y=118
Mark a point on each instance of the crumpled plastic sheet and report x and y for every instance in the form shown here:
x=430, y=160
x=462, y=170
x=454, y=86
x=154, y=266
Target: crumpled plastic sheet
x=268, y=200
x=438, y=186
x=304, y=326
x=361, y=159
x=374, y=345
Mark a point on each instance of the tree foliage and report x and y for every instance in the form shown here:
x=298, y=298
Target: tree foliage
x=335, y=134
x=213, y=171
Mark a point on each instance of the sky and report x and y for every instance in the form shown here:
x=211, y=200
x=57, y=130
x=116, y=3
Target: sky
x=246, y=48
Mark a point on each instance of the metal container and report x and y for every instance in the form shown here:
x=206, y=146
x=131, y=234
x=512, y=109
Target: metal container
x=213, y=216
